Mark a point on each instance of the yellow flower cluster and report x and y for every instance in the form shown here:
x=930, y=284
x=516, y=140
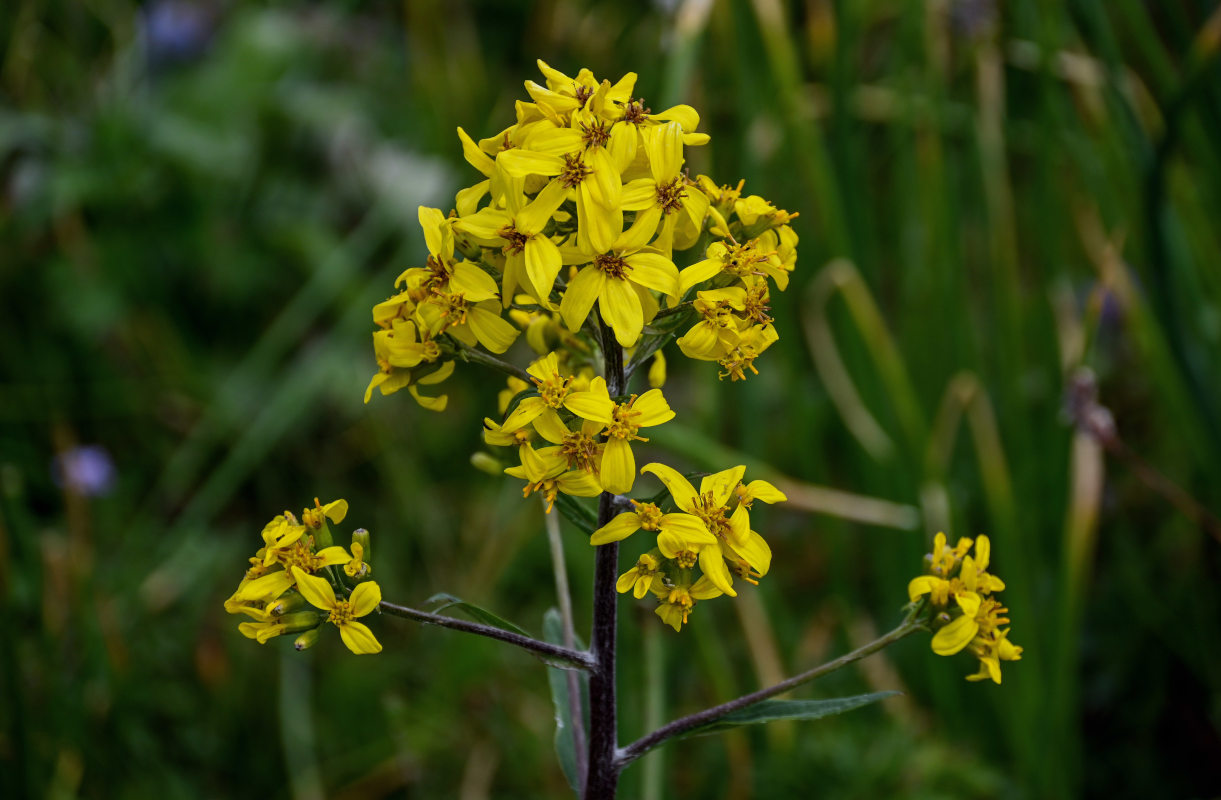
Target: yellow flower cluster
x=710, y=528
x=298, y=567
x=583, y=203
x=974, y=619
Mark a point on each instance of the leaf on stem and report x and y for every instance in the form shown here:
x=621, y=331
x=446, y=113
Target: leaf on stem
x=775, y=710
x=557, y=677
x=577, y=513
x=476, y=613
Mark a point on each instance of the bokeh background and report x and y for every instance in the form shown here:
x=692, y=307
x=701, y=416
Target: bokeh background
x=1006, y=318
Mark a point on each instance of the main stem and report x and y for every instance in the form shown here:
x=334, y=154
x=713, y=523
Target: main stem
x=603, y=775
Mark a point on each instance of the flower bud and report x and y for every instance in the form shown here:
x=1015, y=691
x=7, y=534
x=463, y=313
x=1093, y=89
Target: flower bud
x=307, y=640
x=657, y=370
x=299, y=621
x=486, y=463
x=361, y=537
x=290, y=601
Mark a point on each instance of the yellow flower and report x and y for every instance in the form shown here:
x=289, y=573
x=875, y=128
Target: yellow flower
x=343, y=613
x=518, y=230
x=674, y=527
x=357, y=568
x=624, y=421
x=712, y=337
x=442, y=274
x=741, y=356
x=742, y=261
x=665, y=197
x=316, y=517
x=735, y=541
x=977, y=626
x=677, y=601
x=553, y=391
x=616, y=280
x=639, y=579
x=547, y=472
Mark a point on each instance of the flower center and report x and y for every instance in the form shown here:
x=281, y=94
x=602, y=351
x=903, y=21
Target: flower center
x=613, y=266
x=342, y=613
x=580, y=450
x=635, y=112
x=582, y=93
x=515, y=241
x=622, y=426
x=453, y=308
x=650, y=516
x=574, y=170
x=686, y=559
x=713, y=515
x=670, y=195
x=595, y=135
x=553, y=390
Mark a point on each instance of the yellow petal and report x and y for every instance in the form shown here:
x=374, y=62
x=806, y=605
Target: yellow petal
x=621, y=309
x=359, y=639
x=492, y=331
x=654, y=271
x=722, y=483
x=550, y=427
x=968, y=602
x=597, y=225
x=534, y=217
x=689, y=527
x=920, y=586
x=433, y=223
x=618, y=469
x=365, y=597
x=713, y=566
x=955, y=636
x=618, y=529
x=579, y=298
x=334, y=555
x=762, y=490
x=542, y=264
x=336, y=510
x=680, y=488
x=518, y=163
x=474, y=156
x=983, y=552
x=315, y=590
x=652, y=409
x=638, y=195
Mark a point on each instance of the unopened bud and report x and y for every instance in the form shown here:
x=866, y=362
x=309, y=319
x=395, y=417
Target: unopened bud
x=300, y=621
x=361, y=537
x=307, y=640
x=486, y=463
x=657, y=370
x=285, y=603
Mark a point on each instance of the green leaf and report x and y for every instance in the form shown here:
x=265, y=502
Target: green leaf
x=577, y=513
x=557, y=677
x=474, y=612
x=774, y=710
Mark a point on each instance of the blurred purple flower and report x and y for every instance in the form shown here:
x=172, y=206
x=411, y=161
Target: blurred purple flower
x=178, y=30
x=87, y=470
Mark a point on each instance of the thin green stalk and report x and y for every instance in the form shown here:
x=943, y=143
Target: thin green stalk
x=564, y=598
x=551, y=652
x=688, y=723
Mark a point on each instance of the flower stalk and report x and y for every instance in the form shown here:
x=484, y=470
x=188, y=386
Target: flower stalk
x=550, y=652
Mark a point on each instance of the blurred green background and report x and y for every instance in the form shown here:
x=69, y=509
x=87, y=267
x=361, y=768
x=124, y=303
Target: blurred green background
x=1004, y=206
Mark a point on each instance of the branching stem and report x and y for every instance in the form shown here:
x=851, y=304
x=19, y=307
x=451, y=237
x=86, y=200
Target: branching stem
x=684, y=724
x=552, y=652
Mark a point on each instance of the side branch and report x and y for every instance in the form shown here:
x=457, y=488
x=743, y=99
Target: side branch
x=471, y=355
x=552, y=652
x=684, y=724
